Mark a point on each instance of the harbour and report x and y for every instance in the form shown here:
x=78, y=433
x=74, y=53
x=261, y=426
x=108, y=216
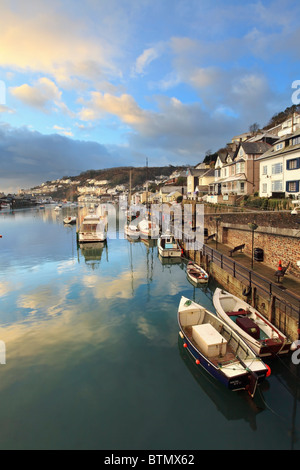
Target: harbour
x=94, y=359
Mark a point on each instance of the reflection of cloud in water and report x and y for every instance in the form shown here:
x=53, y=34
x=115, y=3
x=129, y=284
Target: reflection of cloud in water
x=48, y=299
x=122, y=286
x=6, y=287
x=56, y=342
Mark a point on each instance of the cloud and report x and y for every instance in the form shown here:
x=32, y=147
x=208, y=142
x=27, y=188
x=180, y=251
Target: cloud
x=55, y=40
x=44, y=96
x=145, y=59
x=29, y=158
x=63, y=131
x=124, y=107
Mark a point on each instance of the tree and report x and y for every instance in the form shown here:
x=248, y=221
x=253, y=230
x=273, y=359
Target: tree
x=254, y=128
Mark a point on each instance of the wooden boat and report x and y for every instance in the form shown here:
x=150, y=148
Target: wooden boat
x=196, y=274
x=219, y=349
x=92, y=229
x=263, y=337
x=168, y=246
x=70, y=220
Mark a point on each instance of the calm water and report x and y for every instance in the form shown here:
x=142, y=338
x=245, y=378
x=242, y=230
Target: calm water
x=93, y=357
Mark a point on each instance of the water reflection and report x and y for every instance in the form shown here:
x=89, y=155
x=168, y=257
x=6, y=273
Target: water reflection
x=232, y=405
x=78, y=322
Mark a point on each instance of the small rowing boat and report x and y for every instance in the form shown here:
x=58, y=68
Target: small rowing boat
x=218, y=349
x=196, y=274
x=260, y=334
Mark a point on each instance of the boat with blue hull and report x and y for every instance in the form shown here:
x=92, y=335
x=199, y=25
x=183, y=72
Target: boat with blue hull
x=218, y=349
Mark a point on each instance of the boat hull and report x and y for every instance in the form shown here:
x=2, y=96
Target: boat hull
x=232, y=363
x=237, y=383
x=278, y=344
x=196, y=274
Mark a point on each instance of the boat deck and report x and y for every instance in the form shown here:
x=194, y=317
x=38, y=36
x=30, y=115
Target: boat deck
x=218, y=360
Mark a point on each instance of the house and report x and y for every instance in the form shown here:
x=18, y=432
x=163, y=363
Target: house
x=280, y=167
x=173, y=196
x=164, y=193
x=237, y=172
x=193, y=177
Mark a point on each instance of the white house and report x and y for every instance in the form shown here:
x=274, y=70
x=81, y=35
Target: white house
x=280, y=167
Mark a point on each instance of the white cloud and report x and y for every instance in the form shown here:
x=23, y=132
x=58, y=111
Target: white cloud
x=43, y=95
x=145, y=59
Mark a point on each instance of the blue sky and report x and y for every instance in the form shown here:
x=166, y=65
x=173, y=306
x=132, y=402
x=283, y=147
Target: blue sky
x=95, y=84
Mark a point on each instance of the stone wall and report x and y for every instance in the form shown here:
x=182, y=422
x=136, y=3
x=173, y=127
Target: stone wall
x=278, y=234
x=268, y=305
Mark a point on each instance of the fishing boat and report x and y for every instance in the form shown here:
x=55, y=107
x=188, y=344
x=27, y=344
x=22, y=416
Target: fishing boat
x=70, y=220
x=196, y=274
x=92, y=229
x=168, y=246
x=260, y=334
x=218, y=349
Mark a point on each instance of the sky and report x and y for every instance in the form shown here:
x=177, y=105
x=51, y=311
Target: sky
x=94, y=84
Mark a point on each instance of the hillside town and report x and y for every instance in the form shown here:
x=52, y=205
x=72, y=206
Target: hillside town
x=262, y=163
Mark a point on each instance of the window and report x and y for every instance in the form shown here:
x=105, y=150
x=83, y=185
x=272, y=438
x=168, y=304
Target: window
x=276, y=168
x=276, y=185
x=240, y=167
x=279, y=146
x=296, y=140
x=293, y=164
x=264, y=188
x=265, y=170
x=292, y=186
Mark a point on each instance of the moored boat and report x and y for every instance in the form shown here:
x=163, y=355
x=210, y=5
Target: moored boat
x=70, y=220
x=168, y=246
x=92, y=229
x=132, y=230
x=259, y=333
x=196, y=274
x=148, y=229
x=218, y=349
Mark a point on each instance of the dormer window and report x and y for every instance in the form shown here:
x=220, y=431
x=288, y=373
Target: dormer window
x=279, y=146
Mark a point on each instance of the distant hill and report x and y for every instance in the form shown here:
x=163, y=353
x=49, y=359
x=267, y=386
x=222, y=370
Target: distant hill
x=120, y=175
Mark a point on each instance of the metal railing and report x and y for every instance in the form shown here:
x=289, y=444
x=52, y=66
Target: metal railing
x=288, y=302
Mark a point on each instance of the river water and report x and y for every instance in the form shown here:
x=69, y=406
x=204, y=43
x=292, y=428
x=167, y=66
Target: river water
x=94, y=359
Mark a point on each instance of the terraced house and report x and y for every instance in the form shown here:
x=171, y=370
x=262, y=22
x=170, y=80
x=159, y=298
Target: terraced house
x=237, y=172
x=280, y=167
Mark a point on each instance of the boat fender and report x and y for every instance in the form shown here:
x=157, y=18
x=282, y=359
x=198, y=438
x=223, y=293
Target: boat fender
x=197, y=362
x=268, y=371
x=247, y=291
x=184, y=345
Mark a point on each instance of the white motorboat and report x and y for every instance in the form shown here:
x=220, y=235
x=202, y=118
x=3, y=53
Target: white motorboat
x=263, y=337
x=92, y=229
x=132, y=230
x=148, y=229
x=168, y=246
x=70, y=220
